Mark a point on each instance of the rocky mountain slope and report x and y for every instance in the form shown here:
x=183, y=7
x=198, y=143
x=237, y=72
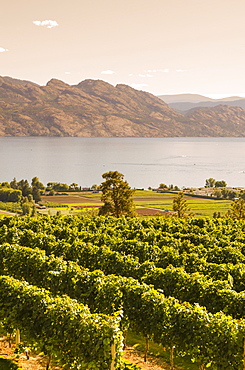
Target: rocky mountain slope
x=95, y=108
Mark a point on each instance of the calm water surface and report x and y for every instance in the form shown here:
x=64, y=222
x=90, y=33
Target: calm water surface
x=144, y=161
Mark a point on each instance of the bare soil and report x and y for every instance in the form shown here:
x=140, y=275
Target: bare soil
x=153, y=363
x=66, y=199
x=37, y=362
x=152, y=212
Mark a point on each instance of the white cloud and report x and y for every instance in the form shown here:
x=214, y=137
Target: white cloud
x=2, y=50
x=108, y=72
x=47, y=23
x=138, y=86
x=67, y=73
x=147, y=75
x=166, y=70
x=131, y=74
x=181, y=70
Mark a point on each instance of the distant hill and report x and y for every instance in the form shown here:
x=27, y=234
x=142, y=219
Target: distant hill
x=185, y=102
x=94, y=108
x=191, y=98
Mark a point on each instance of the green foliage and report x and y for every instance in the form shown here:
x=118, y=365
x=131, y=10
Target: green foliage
x=210, y=182
x=60, y=325
x=74, y=187
x=4, y=184
x=6, y=364
x=37, y=184
x=117, y=195
x=10, y=207
x=10, y=195
x=57, y=186
x=165, y=263
x=25, y=187
x=180, y=205
x=36, y=194
x=220, y=184
x=26, y=208
x=126, y=365
x=237, y=209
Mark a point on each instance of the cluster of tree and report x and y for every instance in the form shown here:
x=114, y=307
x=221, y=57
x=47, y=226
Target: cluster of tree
x=169, y=187
x=24, y=189
x=228, y=194
x=15, y=191
x=212, y=183
x=10, y=195
x=225, y=194
x=53, y=187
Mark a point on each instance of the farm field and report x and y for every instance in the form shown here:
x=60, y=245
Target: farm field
x=146, y=202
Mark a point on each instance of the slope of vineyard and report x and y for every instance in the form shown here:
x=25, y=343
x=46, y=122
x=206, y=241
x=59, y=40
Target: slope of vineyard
x=180, y=282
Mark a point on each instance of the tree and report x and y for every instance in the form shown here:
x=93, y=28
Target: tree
x=26, y=208
x=180, y=205
x=116, y=195
x=74, y=187
x=217, y=194
x=36, y=183
x=57, y=186
x=13, y=184
x=220, y=184
x=36, y=194
x=24, y=186
x=210, y=182
x=237, y=209
x=94, y=187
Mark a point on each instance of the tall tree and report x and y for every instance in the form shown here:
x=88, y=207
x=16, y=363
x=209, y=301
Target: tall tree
x=237, y=209
x=36, y=194
x=24, y=186
x=35, y=182
x=210, y=182
x=116, y=195
x=180, y=206
x=13, y=184
x=220, y=184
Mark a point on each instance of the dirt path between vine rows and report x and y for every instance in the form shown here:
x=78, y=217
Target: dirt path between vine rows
x=153, y=363
x=36, y=362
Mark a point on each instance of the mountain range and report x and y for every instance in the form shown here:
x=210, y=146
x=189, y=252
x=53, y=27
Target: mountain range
x=94, y=108
x=184, y=102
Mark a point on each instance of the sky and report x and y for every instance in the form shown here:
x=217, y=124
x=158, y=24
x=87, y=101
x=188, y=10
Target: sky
x=159, y=46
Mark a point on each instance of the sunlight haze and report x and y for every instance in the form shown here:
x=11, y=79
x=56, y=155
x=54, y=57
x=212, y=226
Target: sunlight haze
x=163, y=47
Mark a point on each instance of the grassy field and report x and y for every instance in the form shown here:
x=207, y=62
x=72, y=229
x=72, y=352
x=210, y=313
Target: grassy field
x=144, y=199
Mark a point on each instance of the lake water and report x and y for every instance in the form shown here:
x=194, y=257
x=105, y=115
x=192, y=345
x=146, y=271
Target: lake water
x=143, y=161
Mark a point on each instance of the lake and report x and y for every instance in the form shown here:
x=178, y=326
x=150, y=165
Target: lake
x=145, y=162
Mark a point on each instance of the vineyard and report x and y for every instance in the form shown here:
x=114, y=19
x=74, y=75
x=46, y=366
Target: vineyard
x=75, y=285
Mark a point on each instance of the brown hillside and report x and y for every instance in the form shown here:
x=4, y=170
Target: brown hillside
x=95, y=108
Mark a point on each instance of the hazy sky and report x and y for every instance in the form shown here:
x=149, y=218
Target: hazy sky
x=160, y=46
